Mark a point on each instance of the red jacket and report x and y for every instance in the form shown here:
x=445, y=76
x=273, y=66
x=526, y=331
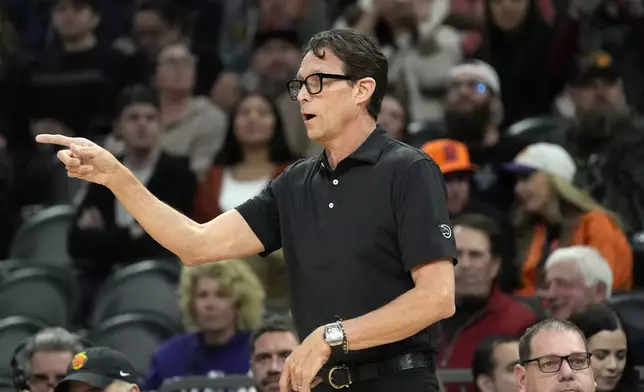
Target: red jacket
x=503, y=315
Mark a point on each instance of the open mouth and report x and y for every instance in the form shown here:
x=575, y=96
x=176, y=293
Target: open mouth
x=308, y=117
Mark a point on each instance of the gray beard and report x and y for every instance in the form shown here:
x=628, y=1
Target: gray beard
x=601, y=125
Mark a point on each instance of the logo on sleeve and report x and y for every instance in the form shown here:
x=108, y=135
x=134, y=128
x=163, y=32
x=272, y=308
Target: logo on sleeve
x=446, y=231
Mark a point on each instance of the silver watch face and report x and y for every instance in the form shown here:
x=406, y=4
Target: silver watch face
x=333, y=335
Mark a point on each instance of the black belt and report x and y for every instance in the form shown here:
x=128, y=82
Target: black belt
x=341, y=376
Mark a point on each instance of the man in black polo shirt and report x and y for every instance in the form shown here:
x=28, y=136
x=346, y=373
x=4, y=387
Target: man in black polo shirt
x=364, y=229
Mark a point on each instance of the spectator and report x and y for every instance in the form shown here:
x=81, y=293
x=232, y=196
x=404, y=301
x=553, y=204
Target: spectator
x=516, y=43
x=420, y=50
x=69, y=88
x=493, y=364
x=606, y=140
x=193, y=127
x=221, y=305
x=554, y=357
x=156, y=23
x=275, y=58
x=479, y=302
x=394, y=117
x=272, y=343
x=47, y=355
x=613, y=26
x=99, y=369
x=255, y=151
x=553, y=213
x=575, y=277
x=454, y=160
x=473, y=115
x=612, y=362
x=103, y=233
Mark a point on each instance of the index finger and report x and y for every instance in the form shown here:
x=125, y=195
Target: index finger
x=285, y=380
x=60, y=140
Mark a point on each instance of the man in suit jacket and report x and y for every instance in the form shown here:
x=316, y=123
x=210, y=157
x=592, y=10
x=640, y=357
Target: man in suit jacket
x=104, y=234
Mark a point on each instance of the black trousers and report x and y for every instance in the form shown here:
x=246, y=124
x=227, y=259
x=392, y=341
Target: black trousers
x=412, y=380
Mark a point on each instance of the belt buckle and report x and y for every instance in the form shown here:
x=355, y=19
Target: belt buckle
x=340, y=386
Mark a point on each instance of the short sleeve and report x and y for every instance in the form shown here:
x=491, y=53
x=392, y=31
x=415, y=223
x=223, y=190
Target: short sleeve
x=423, y=223
x=262, y=215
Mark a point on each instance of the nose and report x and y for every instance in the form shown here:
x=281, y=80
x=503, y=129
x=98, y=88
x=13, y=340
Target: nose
x=611, y=363
x=303, y=95
x=566, y=370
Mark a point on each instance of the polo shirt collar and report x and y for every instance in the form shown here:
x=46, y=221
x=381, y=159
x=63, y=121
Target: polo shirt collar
x=369, y=151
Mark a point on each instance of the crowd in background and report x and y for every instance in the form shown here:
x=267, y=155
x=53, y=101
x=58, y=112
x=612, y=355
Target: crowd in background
x=530, y=108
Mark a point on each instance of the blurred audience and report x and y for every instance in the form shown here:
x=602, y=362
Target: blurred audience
x=551, y=212
x=576, y=276
x=479, y=301
x=394, y=117
x=493, y=364
x=272, y=343
x=606, y=140
x=611, y=362
x=254, y=152
x=103, y=234
x=473, y=115
x=517, y=44
x=221, y=303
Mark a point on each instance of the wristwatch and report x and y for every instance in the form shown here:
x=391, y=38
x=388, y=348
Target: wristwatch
x=336, y=338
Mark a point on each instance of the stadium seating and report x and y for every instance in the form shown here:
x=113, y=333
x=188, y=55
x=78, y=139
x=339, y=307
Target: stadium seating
x=43, y=237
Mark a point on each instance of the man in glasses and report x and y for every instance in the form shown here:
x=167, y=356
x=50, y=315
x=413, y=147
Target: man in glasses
x=364, y=229
x=554, y=357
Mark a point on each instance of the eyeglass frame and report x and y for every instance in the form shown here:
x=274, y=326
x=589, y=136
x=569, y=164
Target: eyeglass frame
x=320, y=75
x=562, y=358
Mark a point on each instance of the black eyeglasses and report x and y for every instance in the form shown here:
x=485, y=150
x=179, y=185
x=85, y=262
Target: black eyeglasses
x=313, y=83
x=552, y=363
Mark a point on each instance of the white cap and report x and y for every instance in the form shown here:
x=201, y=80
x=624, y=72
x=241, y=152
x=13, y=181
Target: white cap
x=482, y=70
x=545, y=157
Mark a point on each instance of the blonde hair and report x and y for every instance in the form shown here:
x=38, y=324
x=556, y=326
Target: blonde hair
x=234, y=278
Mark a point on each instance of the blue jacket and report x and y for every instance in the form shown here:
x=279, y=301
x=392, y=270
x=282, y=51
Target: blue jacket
x=186, y=355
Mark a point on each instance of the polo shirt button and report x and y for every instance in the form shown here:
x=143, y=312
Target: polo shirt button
x=330, y=205
x=335, y=182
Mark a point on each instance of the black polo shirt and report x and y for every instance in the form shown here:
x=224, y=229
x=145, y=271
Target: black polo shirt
x=350, y=236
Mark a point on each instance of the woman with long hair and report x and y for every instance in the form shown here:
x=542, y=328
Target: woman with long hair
x=254, y=152
x=612, y=361
x=551, y=212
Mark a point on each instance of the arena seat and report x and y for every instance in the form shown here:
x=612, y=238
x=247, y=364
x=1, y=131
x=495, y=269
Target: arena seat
x=45, y=293
x=629, y=307
x=13, y=331
x=637, y=244
x=136, y=335
x=145, y=287
x=43, y=237
x=200, y=383
x=537, y=129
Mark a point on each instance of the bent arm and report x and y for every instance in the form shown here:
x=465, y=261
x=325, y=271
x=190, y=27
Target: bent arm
x=431, y=300
x=226, y=237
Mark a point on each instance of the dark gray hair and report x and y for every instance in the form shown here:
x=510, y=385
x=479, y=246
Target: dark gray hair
x=525, y=350
x=361, y=56
x=51, y=339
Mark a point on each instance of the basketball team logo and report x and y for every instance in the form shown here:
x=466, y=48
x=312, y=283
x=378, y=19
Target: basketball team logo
x=79, y=361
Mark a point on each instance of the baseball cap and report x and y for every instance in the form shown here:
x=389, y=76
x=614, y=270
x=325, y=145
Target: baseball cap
x=479, y=69
x=450, y=155
x=545, y=157
x=98, y=367
x=594, y=65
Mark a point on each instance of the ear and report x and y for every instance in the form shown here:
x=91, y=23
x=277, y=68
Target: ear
x=96, y=19
x=484, y=383
x=600, y=291
x=364, y=89
x=519, y=375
